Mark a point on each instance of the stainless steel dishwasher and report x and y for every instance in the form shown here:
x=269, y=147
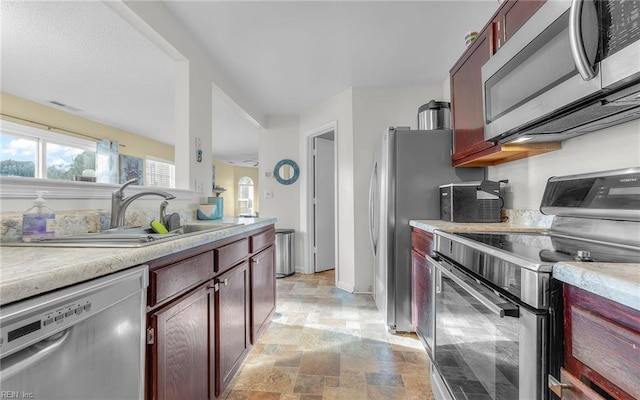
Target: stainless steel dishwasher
x=81, y=342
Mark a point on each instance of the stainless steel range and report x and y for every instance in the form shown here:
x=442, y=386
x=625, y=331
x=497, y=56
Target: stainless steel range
x=498, y=311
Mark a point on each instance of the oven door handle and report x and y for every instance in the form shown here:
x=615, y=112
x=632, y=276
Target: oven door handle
x=502, y=309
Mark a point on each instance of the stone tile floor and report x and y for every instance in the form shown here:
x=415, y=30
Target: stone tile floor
x=325, y=343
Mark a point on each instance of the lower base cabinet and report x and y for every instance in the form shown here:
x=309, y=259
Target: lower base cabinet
x=232, y=333
x=601, y=348
x=206, y=307
x=263, y=291
x=179, y=347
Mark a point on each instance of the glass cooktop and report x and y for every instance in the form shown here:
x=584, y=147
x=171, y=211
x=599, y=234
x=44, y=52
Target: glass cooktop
x=548, y=248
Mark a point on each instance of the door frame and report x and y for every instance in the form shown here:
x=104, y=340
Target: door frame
x=310, y=136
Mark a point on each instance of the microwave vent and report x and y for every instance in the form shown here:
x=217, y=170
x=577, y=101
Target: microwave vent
x=596, y=116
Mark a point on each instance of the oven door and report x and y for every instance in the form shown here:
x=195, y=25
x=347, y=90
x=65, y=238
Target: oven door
x=486, y=346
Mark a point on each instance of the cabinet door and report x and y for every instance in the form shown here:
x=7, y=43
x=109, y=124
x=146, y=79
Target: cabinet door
x=422, y=302
x=180, y=348
x=263, y=291
x=602, y=343
x=466, y=99
x=422, y=241
x=512, y=15
x=232, y=327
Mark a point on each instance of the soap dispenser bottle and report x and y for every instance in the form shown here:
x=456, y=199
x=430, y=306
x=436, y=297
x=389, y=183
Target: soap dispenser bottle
x=38, y=221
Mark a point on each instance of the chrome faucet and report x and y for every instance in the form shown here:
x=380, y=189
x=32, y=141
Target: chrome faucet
x=119, y=203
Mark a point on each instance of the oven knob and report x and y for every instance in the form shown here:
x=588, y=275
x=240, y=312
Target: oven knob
x=583, y=255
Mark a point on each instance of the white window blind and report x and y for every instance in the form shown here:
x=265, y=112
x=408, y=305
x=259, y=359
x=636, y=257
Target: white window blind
x=160, y=173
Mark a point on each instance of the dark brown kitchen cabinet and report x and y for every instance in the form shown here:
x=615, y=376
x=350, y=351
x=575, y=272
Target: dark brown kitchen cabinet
x=263, y=291
x=422, y=301
x=601, y=347
x=509, y=18
x=466, y=99
x=232, y=327
x=204, y=312
x=422, y=290
x=469, y=146
x=180, y=348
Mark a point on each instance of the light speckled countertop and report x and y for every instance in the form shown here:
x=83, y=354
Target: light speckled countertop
x=619, y=282
x=432, y=225
x=29, y=271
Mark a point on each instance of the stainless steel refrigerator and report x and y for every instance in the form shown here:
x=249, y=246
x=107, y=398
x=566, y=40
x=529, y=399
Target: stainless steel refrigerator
x=408, y=168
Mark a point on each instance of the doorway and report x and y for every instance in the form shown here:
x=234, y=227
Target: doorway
x=322, y=195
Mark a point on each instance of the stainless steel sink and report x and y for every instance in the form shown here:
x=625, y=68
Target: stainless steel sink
x=206, y=226
x=126, y=236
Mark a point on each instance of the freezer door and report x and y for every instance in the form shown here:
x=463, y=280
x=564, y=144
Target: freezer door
x=384, y=215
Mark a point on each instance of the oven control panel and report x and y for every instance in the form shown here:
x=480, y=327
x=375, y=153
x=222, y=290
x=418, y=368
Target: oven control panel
x=610, y=194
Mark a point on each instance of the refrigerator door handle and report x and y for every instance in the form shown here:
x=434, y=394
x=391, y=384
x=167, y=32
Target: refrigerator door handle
x=373, y=207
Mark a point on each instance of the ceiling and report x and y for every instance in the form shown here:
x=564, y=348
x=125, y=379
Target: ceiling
x=285, y=56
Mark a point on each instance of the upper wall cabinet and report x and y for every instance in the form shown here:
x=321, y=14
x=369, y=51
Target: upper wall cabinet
x=469, y=147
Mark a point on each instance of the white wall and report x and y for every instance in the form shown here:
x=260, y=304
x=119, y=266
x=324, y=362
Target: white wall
x=337, y=109
x=361, y=115
x=374, y=110
x=612, y=148
x=281, y=140
x=196, y=78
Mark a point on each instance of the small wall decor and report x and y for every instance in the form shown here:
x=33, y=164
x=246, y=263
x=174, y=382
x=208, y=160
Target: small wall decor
x=131, y=167
x=107, y=161
x=286, y=171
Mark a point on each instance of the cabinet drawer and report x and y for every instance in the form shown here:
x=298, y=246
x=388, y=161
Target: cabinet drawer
x=262, y=240
x=228, y=255
x=575, y=389
x=611, y=350
x=168, y=281
x=422, y=241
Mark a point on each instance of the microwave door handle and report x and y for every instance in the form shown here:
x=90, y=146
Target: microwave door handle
x=501, y=309
x=575, y=39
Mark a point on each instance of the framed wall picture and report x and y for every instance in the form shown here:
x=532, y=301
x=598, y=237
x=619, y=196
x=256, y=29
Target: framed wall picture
x=131, y=167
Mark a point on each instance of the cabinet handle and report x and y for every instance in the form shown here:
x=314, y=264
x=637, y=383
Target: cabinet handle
x=556, y=386
x=224, y=281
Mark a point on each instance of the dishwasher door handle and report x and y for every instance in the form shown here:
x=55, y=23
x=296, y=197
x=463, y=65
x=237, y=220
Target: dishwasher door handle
x=33, y=354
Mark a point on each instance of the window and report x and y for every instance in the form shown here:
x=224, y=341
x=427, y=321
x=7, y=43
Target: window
x=18, y=155
x=37, y=153
x=160, y=173
x=245, y=196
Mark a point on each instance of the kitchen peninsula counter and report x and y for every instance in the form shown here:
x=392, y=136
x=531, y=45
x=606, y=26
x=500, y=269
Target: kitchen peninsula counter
x=30, y=271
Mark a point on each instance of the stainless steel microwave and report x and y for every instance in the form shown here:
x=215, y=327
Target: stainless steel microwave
x=572, y=68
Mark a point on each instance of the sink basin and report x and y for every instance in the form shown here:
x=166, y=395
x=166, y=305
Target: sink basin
x=206, y=226
x=125, y=236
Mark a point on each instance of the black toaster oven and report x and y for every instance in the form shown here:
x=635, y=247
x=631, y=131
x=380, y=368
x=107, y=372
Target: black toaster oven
x=477, y=201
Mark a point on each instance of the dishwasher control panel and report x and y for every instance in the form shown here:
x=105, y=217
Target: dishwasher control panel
x=43, y=320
